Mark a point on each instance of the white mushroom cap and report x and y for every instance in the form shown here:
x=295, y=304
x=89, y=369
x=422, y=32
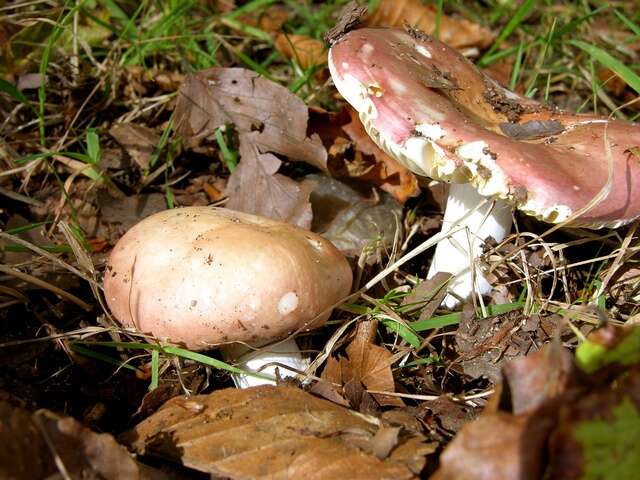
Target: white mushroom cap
x=200, y=276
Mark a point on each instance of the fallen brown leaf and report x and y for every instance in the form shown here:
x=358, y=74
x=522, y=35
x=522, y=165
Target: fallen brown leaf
x=428, y=295
x=497, y=446
x=536, y=380
x=255, y=187
x=307, y=51
x=548, y=419
x=138, y=141
x=365, y=364
x=328, y=125
x=457, y=32
x=370, y=163
x=447, y=416
x=350, y=220
x=269, y=19
x=117, y=215
x=219, y=96
x=30, y=441
x=507, y=440
x=276, y=433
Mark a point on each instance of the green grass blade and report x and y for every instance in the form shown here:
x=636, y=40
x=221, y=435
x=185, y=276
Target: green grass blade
x=408, y=335
x=87, y=352
x=575, y=23
x=628, y=22
x=454, y=318
x=249, y=7
x=212, y=362
x=246, y=29
x=430, y=360
x=93, y=147
x=517, y=67
x=155, y=370
x=183, y=353
x=44, y=64
x=26, y=228
x=615, y=65
x=164, y=138
x=230, y=158
x=519, y=16
x=12, y=91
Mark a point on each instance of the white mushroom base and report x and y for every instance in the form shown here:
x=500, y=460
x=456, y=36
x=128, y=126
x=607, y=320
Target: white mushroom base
x=265, y=361
x=457, y=253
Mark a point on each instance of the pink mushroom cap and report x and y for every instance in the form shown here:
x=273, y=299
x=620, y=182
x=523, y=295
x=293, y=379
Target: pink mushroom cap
x=433, y=110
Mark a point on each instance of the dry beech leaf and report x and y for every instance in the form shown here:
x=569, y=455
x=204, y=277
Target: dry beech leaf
x=538, y=379
x=497, y=445
x=117, y=215
x=270, y=19
x=457, y=32
x=219, y=96
x=507, y=440
x=371, y=164
x=428, y=295
x=255, y=187
x=328, y=125
x=275, y=433
x=307, y=51
x=139, y=141
x=366, y=364
x=225, y=6
x=350, y=220
x=29, y=440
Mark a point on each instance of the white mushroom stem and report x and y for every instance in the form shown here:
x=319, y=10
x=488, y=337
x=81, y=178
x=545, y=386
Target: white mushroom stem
x=457, y=253
x=265, y=361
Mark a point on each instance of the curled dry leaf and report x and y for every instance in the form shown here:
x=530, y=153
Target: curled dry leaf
x=307, y=51
x=549, y=420
x=533, y=382
x=507, y=440
x=428, y=295
x=276, y=433
x=456, y=32
x=496, y=446
x=117, y=215
x=29, y=442
x=375, y=165
x=365, y=364
x=270, y=19
x=350, y=220
x=138, y=141
x=216, y=97
x=255, y=187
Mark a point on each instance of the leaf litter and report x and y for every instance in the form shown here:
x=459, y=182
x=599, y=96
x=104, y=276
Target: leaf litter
x=217, y=97
x=276, y=432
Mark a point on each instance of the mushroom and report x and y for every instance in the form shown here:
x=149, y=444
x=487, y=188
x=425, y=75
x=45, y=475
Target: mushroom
x=434, y=111
x=202, y=276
